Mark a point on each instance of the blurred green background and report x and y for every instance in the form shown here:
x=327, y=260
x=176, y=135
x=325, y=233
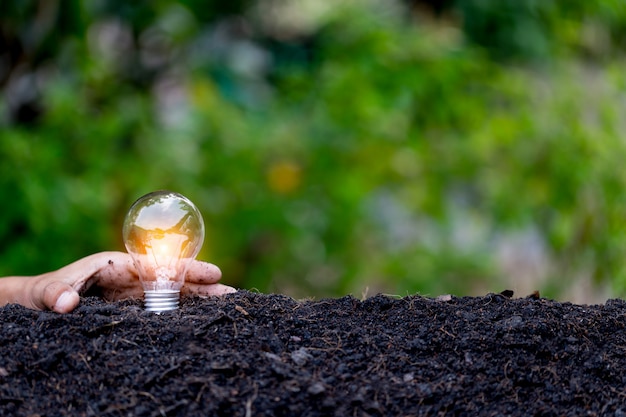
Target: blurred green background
x=333, y=147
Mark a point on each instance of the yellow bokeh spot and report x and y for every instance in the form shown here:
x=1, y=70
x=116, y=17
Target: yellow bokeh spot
x=284, y=177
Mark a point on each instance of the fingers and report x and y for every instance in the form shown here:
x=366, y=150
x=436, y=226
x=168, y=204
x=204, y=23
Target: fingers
x=113, y=269
x=118, y=276
x=201, y=272
x=117, y=268
x=118, y=279
x=206, y=290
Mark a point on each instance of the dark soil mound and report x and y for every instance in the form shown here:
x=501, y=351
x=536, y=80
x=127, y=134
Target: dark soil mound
x=251, y=354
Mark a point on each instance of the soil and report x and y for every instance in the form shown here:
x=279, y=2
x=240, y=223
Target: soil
x=250, y=354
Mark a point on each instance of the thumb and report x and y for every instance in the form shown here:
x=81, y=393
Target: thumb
x=60, y=297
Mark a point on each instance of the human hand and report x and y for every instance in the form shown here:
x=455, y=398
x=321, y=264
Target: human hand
x=109, y=274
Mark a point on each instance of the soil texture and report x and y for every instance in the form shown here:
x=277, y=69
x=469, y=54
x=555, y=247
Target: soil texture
x=249, y=354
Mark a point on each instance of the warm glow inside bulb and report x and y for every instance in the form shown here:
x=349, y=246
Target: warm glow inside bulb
x=163, y=232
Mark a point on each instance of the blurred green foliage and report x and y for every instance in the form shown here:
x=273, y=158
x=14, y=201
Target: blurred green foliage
x=330, y=147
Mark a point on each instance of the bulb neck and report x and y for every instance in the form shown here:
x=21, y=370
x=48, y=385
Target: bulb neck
x=160, y=301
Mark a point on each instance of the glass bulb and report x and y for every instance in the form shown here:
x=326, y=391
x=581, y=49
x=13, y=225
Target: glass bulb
x=163, y=232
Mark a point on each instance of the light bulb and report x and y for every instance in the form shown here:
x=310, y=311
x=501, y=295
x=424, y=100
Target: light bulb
x=163, y=232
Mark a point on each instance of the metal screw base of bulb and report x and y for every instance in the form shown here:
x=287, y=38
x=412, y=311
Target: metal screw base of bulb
x=160, y=301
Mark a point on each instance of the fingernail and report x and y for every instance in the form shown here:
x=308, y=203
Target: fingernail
x=64, y=302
